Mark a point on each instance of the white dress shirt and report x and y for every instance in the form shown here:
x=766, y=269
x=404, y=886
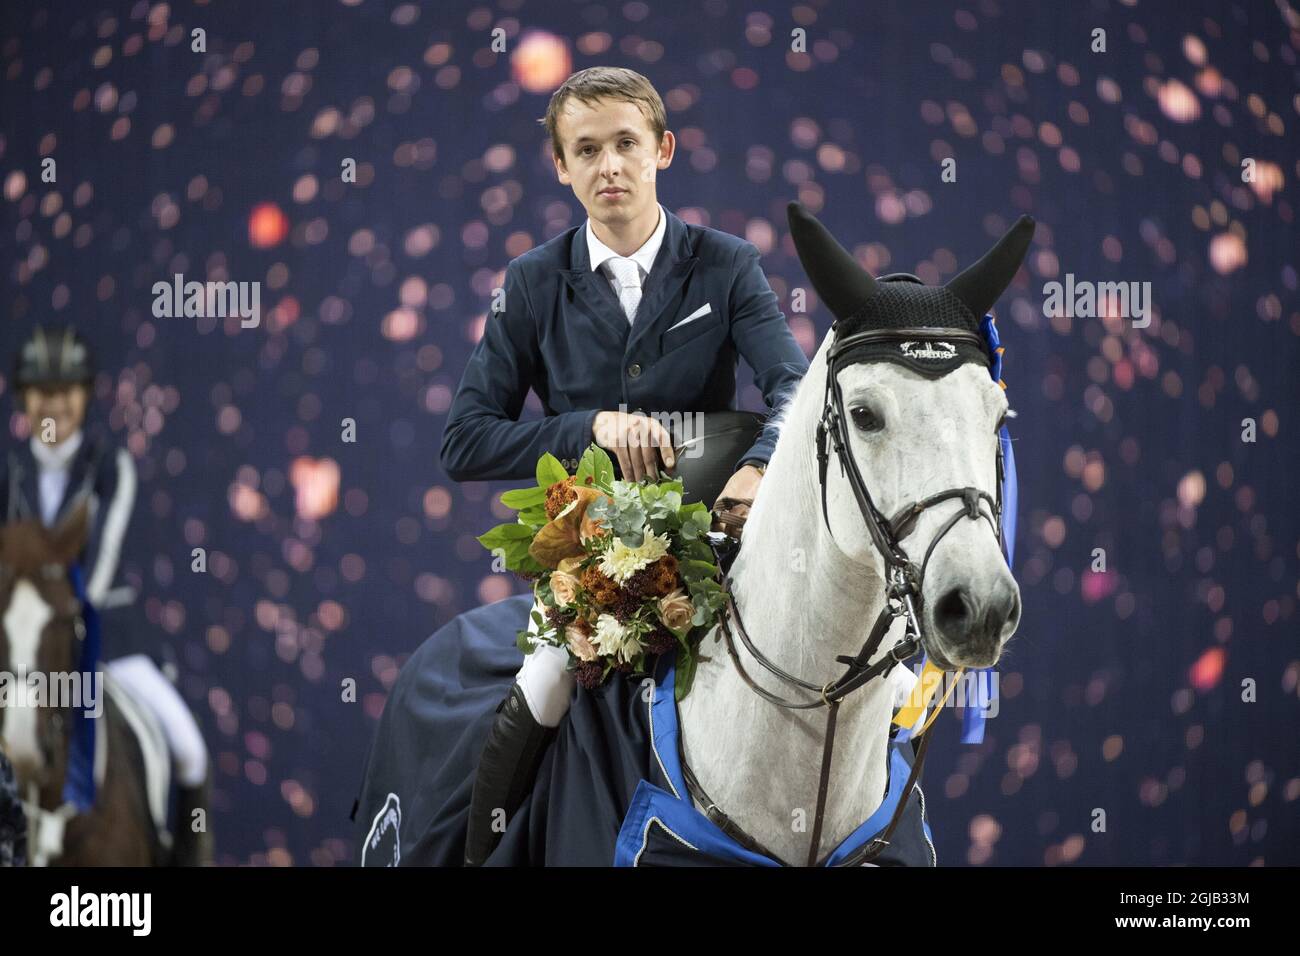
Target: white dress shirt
x=54, y=462
x=643, y=257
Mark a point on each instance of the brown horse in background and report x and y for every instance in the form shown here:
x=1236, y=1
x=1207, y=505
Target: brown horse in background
x=41, y=630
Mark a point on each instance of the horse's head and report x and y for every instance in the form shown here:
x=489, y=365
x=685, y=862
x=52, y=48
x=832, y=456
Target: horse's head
x=907, y=368
x=39, y=614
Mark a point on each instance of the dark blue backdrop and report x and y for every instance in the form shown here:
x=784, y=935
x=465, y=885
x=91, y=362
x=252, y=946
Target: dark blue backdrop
x=331, y=561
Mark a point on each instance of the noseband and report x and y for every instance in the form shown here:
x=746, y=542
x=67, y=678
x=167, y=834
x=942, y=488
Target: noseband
x=903, y=591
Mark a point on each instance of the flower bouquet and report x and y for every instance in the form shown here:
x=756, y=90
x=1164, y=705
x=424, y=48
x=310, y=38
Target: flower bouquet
x=622, y=571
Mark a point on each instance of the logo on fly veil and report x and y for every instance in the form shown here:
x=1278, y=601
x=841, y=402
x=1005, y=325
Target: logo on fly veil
x=383, y=845
x=938, y=351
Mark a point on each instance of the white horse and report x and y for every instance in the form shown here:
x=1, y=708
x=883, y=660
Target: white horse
x=919, y=423
x=807, y=594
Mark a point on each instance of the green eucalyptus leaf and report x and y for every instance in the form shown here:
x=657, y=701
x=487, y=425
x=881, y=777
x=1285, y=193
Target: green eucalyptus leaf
x=693, y=569
x=698, y=550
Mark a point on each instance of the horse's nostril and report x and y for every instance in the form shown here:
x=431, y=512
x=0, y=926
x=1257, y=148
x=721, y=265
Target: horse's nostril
x=1013, y=619
x=1002, y=615
x=953, y=614
x=994, y=619
x=963, y=621
x=1004, y=610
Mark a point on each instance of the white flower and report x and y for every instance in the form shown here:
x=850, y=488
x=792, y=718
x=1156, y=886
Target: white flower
x=614, y=640
x=621, y=562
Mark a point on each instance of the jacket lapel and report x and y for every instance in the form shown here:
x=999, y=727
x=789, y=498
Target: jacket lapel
x=22, y=486
x=592, y=293
x=25, y=475
x=29, y=482
x=672, y=267
x=591, y=289
x=80, y=477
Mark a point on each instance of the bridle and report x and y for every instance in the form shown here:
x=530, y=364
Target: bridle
x=887, y=534
x=903, y=592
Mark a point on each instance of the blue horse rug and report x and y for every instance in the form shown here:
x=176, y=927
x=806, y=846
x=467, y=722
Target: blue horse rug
x=609, y=790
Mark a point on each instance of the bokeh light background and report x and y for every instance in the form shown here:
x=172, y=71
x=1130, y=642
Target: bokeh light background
x=330, y=561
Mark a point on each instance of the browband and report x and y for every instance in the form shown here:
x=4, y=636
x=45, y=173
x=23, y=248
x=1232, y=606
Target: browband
x=929, y=350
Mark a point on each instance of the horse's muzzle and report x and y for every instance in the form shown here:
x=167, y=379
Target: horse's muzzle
x=973, y=627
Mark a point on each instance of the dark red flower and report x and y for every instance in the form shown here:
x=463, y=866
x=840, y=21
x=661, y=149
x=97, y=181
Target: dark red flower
x=659, y=641
x=589, y=674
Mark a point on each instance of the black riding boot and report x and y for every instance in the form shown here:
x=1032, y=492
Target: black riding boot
x=505, y=775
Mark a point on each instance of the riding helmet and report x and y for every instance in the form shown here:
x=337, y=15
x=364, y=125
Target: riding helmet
x=54, y=356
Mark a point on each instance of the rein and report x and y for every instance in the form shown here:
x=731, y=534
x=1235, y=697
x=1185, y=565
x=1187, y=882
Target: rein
x=903, y=593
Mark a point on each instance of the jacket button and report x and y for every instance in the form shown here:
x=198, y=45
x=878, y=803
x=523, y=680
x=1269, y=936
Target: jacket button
x=633, y=370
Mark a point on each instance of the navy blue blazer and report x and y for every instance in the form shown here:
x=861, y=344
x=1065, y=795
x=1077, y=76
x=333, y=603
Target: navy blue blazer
x=563, y=333
x=98, y=469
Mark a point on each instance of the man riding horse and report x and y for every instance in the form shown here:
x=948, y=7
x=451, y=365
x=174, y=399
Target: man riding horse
x=634, y=309
x=894, y=475
x=448, y=782
x=60, y=469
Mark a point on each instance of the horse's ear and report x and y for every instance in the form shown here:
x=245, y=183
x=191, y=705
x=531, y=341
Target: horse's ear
x=982, y=284
x=842, y=284
x=68, y=537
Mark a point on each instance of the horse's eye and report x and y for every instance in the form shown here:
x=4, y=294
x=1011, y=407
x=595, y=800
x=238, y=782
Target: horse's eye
x=864, y=419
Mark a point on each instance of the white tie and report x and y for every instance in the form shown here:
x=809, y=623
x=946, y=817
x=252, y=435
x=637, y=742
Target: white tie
x=627, y=275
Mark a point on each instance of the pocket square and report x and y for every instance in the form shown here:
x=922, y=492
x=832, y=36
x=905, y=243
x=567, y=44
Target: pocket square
x=701, y=311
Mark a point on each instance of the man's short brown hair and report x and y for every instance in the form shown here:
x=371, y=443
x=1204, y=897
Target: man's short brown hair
x=606, y=82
